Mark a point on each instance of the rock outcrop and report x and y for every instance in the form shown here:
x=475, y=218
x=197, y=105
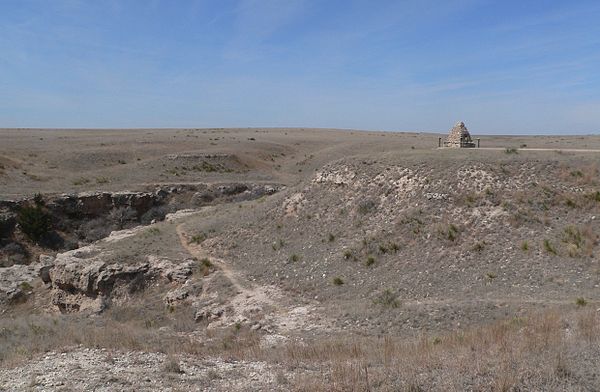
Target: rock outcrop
x=16, y=281
x=82, y=279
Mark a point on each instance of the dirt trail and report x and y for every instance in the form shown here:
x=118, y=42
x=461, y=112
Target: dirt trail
x=279, y=311
x=197, y=251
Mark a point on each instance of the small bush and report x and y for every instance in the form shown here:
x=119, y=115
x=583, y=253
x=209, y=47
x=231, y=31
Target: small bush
x=278, y=244
x=81, y=181
x=38, y=199
x=206, y=262
x=387, y=299
x=452, y=232
x=153, y=231
x=511, y=150
x=594, y=196
x=370, y=261
x=331, y=237
x=548, y=247
x=524, y=246
x=198, y=238
x=394, y=247
x=205, y=266
x=34, y=222
x=338, y=281
x=572, y=235
x=102, y=180
x=479, y=246
x=294, y=257
x=172, y=366
x=120, y=216
x=347, y=254
x=580, y=301
x=366, y=206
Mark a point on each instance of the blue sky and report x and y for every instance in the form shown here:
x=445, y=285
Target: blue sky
x=501, y=66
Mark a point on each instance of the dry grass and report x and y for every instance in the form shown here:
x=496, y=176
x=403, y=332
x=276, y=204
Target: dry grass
x=539, y=352
x=511, y=355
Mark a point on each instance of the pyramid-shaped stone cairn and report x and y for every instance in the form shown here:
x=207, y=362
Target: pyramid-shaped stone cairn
x=459, y=136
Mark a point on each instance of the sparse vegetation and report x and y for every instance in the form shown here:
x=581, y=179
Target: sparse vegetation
x=594, y=196
x=294, y=257
x=278, y=244
x=153, y=231
x=366, y=206
x=198, y=238
x=548, y=247
x=479, y=246
x=511, y=150
x=338, y=281
x=524, y=246
x=452, y=232
x=172, y=365
x=388, y=299
x=81, y=181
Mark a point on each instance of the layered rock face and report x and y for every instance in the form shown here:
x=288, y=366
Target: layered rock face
x=82, y=279
x=459, y=136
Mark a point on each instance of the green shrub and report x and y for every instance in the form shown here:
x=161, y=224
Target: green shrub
x=331, y=237
x=338, y=281
x=34, y=222
x=370, y=261
x=294, y=257
x=38, y=199
x=580, y=301
x=511, y=150
x=347, y=254
x=524, y=246
x=452, y=232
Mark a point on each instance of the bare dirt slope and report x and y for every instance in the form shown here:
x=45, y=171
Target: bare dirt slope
x=375, y=260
